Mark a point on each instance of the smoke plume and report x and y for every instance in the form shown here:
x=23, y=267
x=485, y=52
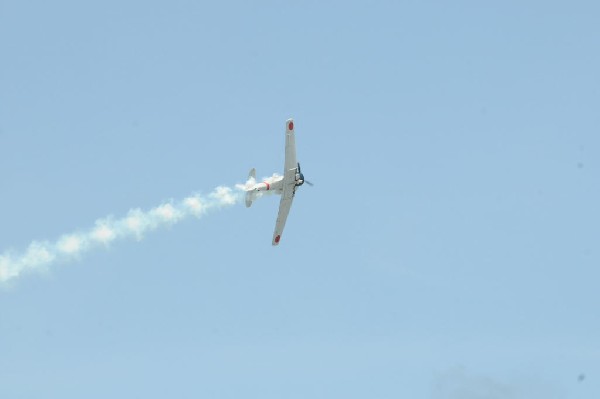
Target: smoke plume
x=40, y=255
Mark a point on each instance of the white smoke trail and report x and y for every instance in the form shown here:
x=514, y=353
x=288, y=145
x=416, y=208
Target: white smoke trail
x=41, y=254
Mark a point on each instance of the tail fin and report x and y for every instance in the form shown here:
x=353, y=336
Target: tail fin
x=250, y=194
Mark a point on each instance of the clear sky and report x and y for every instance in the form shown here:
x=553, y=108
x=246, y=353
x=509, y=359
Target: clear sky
x=449, y=248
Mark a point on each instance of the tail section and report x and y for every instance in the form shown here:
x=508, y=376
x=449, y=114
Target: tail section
x=250, y=193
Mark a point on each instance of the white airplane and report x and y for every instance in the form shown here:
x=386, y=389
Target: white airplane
x=285, y=185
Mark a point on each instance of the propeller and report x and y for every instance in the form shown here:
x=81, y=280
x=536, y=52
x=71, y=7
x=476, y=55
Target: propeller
x=300, y=173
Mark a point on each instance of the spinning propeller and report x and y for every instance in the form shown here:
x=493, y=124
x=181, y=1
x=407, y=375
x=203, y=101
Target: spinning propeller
x=302, y=176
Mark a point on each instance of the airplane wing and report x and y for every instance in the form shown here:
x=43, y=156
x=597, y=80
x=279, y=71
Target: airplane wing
x=290, y=147
x=289, y=180
x=284, y=209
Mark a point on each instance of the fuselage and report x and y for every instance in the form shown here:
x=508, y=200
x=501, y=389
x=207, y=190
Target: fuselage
x=275, y=185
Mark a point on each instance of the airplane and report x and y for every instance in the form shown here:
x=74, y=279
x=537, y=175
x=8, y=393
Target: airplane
x=285, y=185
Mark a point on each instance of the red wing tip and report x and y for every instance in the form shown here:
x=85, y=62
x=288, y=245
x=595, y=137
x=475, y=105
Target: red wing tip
x=291, y=125
x=277, y=239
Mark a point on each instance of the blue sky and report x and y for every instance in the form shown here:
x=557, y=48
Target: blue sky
x=449, y=248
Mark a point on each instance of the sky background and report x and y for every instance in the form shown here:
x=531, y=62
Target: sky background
x=449, y=248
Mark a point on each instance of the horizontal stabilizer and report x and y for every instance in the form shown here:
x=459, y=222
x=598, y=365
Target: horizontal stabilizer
x=250, y=194
x=249, y=198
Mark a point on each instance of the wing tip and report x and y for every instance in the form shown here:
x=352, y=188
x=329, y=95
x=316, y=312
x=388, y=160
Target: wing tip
x=289, y=124
x=276, y=240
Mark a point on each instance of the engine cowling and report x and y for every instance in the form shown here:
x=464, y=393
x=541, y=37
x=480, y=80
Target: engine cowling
x=299, y=179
